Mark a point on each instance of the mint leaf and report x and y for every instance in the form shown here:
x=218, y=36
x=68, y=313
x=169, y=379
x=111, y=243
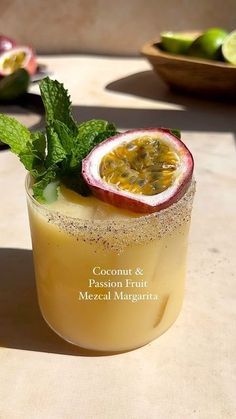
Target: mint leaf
x=30, y=147
x=64, y=133
x=14, y=134
x=34, y=154
x=56, y=152
x=176, y=132
x=95, y=126
x=90, y=134
x=39, y=186
x=57, y=103
x=38, y=141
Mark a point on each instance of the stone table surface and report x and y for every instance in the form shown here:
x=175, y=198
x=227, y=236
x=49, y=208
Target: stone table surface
x=189, y=372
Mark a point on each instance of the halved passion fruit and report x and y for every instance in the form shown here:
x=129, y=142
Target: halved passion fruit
x=143, y=170
x=18, y=57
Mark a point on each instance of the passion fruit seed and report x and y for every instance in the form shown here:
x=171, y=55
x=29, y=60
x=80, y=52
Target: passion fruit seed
x=14, y=61
x=144, y=166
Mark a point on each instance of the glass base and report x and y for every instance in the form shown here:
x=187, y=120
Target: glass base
x=91, y=351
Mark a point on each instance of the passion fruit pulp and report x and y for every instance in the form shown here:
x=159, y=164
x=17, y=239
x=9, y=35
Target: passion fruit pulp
x=18, y=57
x=142, y=170
x=145, y=166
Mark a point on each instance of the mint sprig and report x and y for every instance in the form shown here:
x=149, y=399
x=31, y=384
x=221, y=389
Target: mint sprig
x=55, y=155
x=57, y=103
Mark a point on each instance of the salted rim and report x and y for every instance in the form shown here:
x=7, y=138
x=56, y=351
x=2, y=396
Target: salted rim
x=186, y=198
x=116, y=235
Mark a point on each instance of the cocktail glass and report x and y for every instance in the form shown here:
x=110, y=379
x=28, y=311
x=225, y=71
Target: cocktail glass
x=113, y=284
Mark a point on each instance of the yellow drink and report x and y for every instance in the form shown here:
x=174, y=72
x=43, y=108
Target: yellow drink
x=109, y=279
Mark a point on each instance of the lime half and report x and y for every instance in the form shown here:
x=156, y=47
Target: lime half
x=177, y=42
x=229, y=48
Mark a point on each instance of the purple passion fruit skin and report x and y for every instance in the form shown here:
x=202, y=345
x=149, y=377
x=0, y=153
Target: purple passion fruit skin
x=169, y=160
x=6, y=43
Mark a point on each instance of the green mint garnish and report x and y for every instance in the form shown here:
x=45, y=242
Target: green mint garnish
x=55, y=155
x=176, y=132
x=57, y=103
x=14, y=134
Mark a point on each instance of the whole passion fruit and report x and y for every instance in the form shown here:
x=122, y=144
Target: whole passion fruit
x=143, y=170
x=18, y=57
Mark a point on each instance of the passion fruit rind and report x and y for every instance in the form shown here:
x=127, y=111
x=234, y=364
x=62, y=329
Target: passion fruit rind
x=141, y=201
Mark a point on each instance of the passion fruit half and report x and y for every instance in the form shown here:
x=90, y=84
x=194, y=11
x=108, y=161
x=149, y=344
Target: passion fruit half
x=143, y=170
x=18, y=57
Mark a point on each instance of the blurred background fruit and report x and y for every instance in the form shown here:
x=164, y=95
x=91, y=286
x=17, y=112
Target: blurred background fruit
x=208, y=45
x=229, y=48
x=18, y=57
x=6, y=43
x=177, y=42
x=14, y=85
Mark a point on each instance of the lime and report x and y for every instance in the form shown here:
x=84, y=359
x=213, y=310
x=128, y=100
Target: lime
x=229, y=48
x=177, y=42
x=14, y=85
x=208, y=45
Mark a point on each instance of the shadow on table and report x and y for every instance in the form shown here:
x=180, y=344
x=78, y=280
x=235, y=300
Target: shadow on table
x=148, y=84
x=28, y=102
x=23, y=108
x=194, y=113
x=21, y=323
x=186, y=120
x=197, y=113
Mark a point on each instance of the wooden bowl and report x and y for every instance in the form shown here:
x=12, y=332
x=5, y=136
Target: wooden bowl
x=187, y=74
